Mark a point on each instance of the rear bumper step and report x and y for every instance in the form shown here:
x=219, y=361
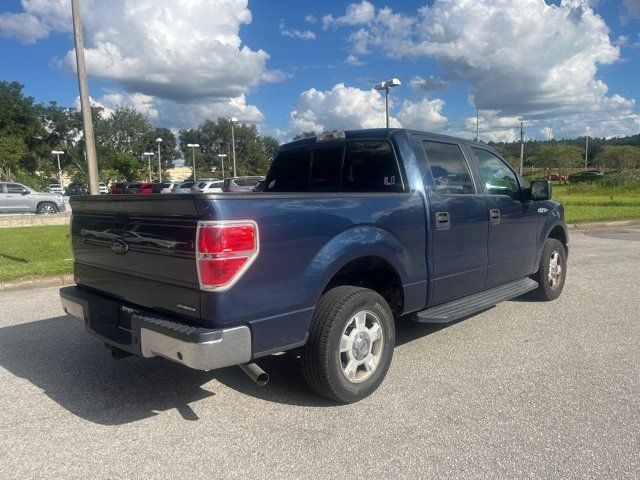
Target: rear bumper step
x=457, y=309
x=151, y=336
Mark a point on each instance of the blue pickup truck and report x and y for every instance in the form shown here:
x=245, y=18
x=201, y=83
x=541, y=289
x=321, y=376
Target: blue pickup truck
x=353, y=231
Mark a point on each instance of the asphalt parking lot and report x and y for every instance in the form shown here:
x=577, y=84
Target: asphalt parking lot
x=526, y=389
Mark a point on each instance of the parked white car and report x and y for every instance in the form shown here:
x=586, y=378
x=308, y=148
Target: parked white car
x=184, y=187
x=104, y=190
x=168, y=187
x=55, y=188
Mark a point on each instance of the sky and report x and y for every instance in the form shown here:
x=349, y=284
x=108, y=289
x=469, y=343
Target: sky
x=560, y=67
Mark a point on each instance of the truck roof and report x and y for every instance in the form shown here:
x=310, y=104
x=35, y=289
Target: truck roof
x=381, y=133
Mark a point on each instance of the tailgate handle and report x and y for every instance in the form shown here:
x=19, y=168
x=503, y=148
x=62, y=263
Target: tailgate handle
x=443, y=221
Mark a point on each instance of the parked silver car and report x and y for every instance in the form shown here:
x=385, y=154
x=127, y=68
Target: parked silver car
x=241, y=184
x=15, y=198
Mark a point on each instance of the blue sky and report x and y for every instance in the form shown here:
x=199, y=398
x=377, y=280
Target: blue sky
x=561, y=67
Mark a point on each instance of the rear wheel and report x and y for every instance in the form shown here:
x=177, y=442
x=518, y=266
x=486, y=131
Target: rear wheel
x=350, y=344
x=552, y=271
x=47, y=208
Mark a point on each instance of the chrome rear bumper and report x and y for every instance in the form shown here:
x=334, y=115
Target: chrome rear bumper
x=194, y=347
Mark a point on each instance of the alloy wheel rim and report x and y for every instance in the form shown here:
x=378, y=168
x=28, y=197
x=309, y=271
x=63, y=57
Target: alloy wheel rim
x=361, y=346
x=554, y=276
x=48, y=210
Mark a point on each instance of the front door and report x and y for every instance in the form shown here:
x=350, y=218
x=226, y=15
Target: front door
x=16, y=200
x=513, y=223
x=458, y=223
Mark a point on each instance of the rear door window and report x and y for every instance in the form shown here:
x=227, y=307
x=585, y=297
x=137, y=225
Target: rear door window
x=449, y=168
x=370, y=166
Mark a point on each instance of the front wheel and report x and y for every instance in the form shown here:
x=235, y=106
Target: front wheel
x=552, y=271
x=350, y=344
x=47, y=208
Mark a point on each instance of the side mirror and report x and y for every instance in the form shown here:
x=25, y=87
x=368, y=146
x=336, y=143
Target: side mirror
x=540, y=190
x=25, y=192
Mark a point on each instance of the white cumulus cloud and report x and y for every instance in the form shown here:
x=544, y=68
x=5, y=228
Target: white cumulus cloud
x=178, y=52
x=521, y=59
x=344, y=108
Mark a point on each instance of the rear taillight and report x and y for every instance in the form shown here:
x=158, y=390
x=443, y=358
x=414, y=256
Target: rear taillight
x=224, y=251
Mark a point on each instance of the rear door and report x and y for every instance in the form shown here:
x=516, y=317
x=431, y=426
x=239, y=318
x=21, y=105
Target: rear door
x=458, y=222
x=513, y=223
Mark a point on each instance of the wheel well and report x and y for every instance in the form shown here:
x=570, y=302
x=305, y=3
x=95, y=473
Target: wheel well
x=374, y=273
x=559, y=234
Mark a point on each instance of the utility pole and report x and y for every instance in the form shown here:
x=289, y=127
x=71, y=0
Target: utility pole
x=521, y=147
x=233, y=144
x=149, y=155
x=477, y=124
x=586, y=148
x=85, y=105
x=159, y=141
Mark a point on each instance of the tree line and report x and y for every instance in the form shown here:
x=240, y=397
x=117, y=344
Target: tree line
x=618, y=153
x=30, y=131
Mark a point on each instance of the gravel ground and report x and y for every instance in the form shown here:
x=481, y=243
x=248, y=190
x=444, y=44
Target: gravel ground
x=525, y=389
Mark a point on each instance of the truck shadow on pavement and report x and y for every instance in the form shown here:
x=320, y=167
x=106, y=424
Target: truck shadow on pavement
x=75, y=371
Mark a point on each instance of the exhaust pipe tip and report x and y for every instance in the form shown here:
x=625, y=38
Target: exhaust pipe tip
x=255, y=373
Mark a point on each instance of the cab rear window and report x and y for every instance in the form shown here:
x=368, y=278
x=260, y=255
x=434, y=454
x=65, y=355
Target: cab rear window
x=359, y=166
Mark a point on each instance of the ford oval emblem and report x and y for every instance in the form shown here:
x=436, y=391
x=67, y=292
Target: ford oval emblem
x=119, y=246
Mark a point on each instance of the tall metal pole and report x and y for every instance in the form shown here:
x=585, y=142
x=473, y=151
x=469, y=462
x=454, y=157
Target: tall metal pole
x=85, y=105
x=233, y=146
x=159, y=141
x=477, y=124
x=193, y=160
x=59, y=169
x=521, y=147
x=586, y=149
x=386, y=97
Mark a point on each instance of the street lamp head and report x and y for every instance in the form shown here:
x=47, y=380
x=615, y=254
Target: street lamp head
x=222, y=155
x=149, y=154
x=193, y=145
x=57, y=152
x=393, y=82
x=159, y=140
x=234, y=120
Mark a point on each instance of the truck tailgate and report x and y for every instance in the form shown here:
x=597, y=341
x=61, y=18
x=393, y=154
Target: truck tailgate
x=139, y=249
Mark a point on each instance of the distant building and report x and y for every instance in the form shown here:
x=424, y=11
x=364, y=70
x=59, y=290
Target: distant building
x=179, y=174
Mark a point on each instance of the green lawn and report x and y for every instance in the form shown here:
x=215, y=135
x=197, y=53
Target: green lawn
x=34, y=252
x=598, y=205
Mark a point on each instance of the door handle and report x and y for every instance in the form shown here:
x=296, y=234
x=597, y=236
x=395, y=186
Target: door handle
x=495, y=216
x=443, y=221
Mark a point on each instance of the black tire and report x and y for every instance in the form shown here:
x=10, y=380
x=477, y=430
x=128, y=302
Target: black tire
x=47, y=208
x=322, y=361
x=548, y=290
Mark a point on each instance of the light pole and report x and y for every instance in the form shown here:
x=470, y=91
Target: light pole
x=159, y=141
x=57, y=153
x=149, y=155
x=222, y=156
x=193, y=147
x=85, y=106
x=233, y=144
x=586, y=148
x=394, y=82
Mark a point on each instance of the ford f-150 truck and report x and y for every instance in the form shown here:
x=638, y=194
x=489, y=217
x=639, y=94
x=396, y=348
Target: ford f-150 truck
x=353, y=230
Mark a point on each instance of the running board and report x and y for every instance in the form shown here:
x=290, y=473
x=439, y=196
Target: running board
x=462, y=307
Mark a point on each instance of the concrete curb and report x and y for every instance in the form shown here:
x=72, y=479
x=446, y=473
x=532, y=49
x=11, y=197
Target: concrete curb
x=615, y=223
x=40, y=282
